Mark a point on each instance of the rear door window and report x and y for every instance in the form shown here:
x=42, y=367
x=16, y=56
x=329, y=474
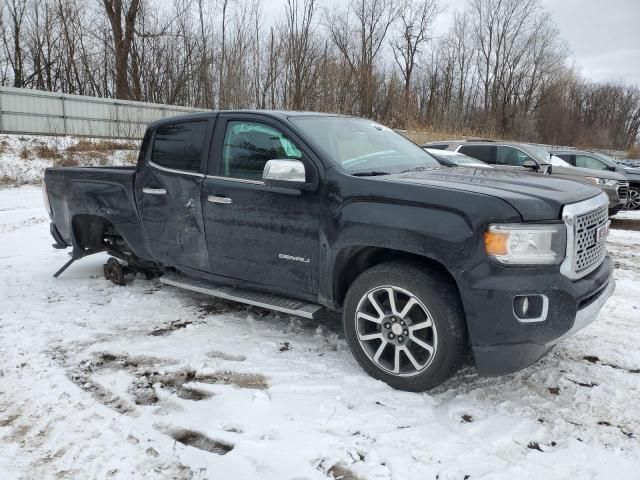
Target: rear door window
x=585, y=161
x=439, y=146
x=567, y=158
x=179, y=145
x=486, y=153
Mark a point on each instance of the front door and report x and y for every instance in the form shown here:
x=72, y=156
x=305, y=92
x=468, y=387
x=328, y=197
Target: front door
x=167, y=190
x=256, y=233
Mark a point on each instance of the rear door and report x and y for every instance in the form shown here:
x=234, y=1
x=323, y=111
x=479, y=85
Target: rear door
x=167, y=189
x=256, y=233
x=486, y=153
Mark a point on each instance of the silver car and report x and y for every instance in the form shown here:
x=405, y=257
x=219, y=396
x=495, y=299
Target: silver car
x=530, y=157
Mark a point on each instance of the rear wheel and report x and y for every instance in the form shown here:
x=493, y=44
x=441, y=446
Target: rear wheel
x=633, y=199
x=405, y=325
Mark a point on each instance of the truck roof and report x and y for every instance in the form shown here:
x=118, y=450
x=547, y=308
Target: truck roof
x=270, y=113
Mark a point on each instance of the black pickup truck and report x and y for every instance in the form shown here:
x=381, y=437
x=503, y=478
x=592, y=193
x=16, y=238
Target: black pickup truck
x=307, y=213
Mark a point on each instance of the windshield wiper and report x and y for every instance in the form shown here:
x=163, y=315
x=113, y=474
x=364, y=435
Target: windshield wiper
x=373, y=173
x=417, y=169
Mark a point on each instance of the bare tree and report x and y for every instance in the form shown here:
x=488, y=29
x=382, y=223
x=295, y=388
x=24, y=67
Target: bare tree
x=416, y=19
x=12, y=37
x=359, y=41
x=302, y=51
x=122, y=19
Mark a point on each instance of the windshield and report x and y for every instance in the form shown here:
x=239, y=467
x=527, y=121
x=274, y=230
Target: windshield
x=540, y=154
x=456, y=158
x=361, y=146
x=607, y=159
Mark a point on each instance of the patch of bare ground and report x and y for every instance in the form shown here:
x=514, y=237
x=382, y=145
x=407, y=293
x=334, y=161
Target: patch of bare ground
x=339, y=471
x=241, y=380
x=170, y=327
x=200, y=441
x=226, y=356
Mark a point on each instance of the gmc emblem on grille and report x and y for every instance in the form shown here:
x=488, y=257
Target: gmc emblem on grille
x=601, y=233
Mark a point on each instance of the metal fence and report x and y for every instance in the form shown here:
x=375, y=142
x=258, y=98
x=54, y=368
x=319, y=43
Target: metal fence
x=36, y=112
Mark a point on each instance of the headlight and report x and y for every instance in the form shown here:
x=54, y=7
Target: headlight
x=602, y=181
x=526, y=244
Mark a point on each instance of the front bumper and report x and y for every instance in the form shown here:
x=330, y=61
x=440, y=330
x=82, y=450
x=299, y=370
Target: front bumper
x=614, y=197
x=501, y=343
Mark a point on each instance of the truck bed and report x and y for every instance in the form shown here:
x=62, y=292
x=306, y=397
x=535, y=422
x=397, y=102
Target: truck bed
x=105, y=192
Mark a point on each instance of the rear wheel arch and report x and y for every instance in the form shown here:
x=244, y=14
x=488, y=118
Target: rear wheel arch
x=88, y=230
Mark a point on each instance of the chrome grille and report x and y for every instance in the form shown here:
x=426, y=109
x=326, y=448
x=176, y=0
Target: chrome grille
x=587, y=225
x=588, y=250
x=623, y=190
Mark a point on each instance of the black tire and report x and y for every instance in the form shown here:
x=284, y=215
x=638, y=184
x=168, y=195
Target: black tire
x=438, y=294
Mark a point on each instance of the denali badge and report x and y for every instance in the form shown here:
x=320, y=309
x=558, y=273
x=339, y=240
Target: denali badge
x=291, y=257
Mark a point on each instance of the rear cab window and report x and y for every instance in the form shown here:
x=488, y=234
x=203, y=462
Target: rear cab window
x=179, y=146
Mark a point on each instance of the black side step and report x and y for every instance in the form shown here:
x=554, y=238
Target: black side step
x=269, y=301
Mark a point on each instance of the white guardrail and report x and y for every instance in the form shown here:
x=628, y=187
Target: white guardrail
x=36, y=112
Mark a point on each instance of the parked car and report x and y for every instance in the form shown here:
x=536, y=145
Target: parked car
x=308, y=213
x=455, y=159
x=604, y=163
x=630, y=162
x=532, y=158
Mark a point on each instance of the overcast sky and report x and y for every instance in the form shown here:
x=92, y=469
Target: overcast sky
x=603, y=35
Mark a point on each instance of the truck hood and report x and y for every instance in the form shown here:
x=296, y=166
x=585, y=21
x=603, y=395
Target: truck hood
x=534, y=196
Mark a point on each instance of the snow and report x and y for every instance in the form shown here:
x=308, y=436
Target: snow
x=101, y=381
x=22, y=160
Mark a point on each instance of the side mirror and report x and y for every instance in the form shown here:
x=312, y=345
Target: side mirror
x=531, y=164
x=285, y=174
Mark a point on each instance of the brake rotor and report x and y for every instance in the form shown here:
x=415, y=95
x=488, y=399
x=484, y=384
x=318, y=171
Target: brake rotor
x=114, y=271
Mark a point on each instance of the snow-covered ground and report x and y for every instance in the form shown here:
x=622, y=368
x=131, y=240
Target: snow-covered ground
x=23, y=158
x=146, y=381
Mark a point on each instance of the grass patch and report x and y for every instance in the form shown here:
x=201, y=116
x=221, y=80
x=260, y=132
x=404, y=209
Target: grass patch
x=100, y=146
x=5, y=181
x=24, y=152
x=67, y=161
x=45, y=151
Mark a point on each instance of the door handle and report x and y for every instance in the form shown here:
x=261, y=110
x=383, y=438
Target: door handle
x=154, y=191
x=220, y=200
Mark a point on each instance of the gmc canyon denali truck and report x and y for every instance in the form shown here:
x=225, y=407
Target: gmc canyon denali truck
x=304, y=213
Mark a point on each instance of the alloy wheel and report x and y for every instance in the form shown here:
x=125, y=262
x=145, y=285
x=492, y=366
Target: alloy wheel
x=633, y=199
x=396, y=330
